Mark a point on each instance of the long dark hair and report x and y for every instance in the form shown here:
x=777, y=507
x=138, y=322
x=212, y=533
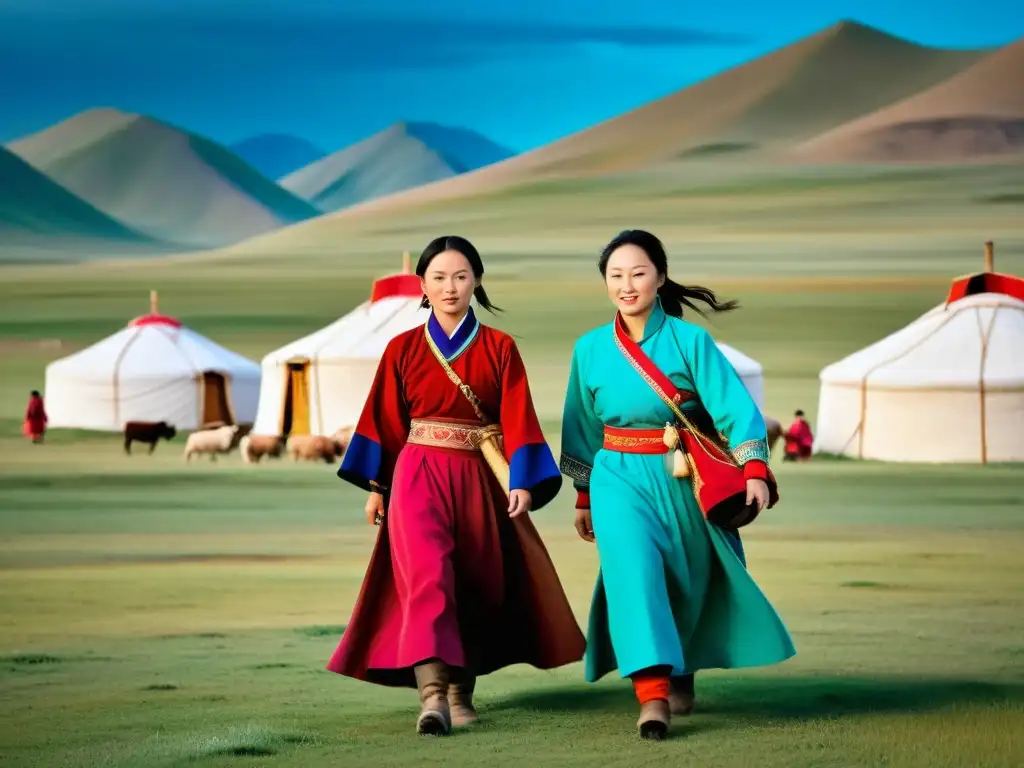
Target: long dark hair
x=467, y=249
x=673, y=295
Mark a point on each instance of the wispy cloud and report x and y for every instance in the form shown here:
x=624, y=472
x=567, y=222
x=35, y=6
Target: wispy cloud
x=335, y=40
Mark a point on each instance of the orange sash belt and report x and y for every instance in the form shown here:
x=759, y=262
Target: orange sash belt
x=635, y=440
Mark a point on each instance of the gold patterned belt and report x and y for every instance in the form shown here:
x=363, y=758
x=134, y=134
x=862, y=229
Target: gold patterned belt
x=626, y=440
x=448, y=434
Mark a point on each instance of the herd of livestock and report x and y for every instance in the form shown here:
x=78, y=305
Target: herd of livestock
x=222, y=440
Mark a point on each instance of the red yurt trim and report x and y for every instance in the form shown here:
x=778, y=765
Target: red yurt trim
x=986, y=282
x=392, y=286
x=155, y=319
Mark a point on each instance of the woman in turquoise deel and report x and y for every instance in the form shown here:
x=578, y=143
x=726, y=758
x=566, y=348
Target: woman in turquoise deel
x=673, y=595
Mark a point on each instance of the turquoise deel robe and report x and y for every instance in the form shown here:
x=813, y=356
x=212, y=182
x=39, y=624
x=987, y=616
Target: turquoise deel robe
x=672, y=588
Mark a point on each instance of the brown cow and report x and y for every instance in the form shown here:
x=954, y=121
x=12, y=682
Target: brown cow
x=146, y=432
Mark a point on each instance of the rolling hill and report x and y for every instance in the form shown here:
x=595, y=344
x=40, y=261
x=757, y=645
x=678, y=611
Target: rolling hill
x=164, y=181
x=761, y=108
x=976, y=114
x=406, y=155
x=31, y=204
x=277, y=154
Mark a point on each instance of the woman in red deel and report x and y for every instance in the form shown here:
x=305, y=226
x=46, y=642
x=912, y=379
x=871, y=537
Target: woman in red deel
x=799, y=439
x=34, y=426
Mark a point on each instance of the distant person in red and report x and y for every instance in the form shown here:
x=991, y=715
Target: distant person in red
x=35, y=418
x=799, y=439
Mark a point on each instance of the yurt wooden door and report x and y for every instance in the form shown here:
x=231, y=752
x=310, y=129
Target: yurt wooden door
x=295, y=418
x=216, y=411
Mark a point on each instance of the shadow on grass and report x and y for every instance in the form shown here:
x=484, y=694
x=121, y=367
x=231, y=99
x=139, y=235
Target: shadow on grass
x=791, y=697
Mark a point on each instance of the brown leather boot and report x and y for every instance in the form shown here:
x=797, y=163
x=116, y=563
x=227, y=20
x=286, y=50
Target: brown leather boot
x=435, y=716
x=681, y=698
x=655, y=718
x=460, y=698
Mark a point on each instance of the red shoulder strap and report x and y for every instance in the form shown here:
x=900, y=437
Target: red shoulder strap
x=636, y=357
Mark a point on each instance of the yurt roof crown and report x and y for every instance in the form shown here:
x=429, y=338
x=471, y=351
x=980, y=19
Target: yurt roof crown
x=988, y=281
x=403, y=285
x=154, y=317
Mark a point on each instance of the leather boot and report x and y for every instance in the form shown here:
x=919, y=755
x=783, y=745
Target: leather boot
x=460, y=698
x=655, y=718
x=435, y=716
x=681, y=697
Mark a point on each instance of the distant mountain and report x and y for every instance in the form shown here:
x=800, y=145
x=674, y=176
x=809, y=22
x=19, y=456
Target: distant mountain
x=403, y=156
x=974, y=114
x=32, y=204
x=764, y=106
x=761, y=109
x=164, y=181
x=277, y=154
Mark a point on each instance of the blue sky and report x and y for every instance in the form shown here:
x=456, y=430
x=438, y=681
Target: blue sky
x=524, y=73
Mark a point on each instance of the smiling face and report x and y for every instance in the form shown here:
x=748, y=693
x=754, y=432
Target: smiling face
x=449, y=283
x=632, y=280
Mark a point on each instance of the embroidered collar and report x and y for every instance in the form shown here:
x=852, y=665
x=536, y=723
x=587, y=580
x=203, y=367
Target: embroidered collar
x=459, y=342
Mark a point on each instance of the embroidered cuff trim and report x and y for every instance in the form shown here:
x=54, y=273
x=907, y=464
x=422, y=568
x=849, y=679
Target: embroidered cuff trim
x=574, y=469
x=751, y=450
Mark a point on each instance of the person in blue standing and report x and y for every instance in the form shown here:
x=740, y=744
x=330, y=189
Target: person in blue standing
x=673, y=595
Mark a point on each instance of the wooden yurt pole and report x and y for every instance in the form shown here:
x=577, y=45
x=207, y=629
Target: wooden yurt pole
x=990, y=257
x=153, y=303
x=406, y=263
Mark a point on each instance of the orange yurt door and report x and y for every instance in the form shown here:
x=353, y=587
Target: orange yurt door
x=295, y=419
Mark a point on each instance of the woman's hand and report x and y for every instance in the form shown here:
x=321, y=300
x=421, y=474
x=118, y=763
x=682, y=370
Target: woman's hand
x=584, y=525
x=757, y=490
x=374, y=508
x=519, y=502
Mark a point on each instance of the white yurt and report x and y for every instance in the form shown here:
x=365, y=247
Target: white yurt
x=155, y=369
x=949, y=387
x=319, y=383
x=750, y=371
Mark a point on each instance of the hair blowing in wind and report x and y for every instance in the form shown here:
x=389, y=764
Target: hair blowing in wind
x=673, y=295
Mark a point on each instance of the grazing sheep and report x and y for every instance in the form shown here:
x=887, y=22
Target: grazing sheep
x=146, y=432
x=314, y=448
x=243, y=429
x=211, y=441
x=255, y=447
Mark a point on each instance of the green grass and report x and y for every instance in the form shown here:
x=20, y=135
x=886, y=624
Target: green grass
x=177, y=616
x=1008, y=197
x=158, y=614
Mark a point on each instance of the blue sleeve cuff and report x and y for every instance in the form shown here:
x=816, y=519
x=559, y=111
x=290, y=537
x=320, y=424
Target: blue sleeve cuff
x=533, y=469
x=361, y=464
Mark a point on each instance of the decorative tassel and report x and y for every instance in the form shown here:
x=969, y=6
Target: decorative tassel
x=671, y=436
x=680, y=466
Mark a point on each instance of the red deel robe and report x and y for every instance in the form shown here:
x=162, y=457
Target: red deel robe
x=799, y=438
x=35, y=417
x=537, y=625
